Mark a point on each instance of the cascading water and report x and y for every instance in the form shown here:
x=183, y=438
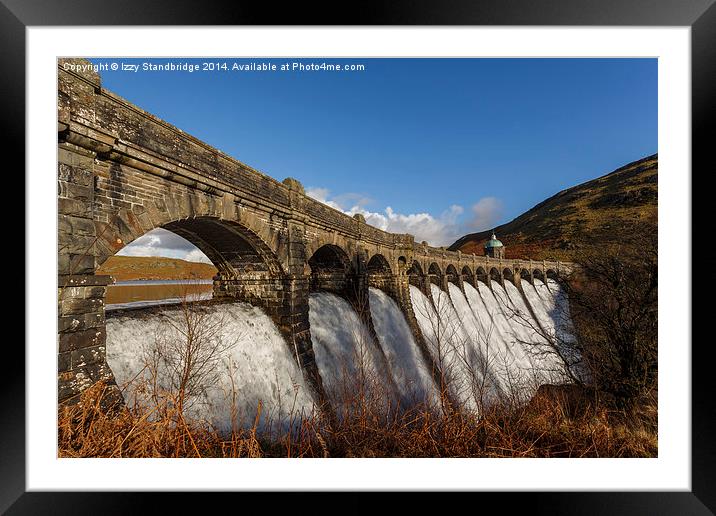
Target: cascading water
x=487, y=339
x=513, y=362
x=490, y=338
x=519, y=334
x=520, y=375
x=432, y=328
x=547, y=298
x=530, y=334
x=551, y=308
x=485, y=384
x=247, y=362
x=560, y=313
x=345, y=354
x=479, y=340
x=410, y=373
x=555, y=309
x=564, y=328
x=539, y=308
x=449, y=344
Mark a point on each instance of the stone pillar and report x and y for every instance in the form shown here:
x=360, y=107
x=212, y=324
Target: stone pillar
x=285, y=300
x=517, y=278
x=81, y=353
x=356, y=287
x=443, y=283
x=292, y=311
x=469, y=278
x=426, y=282
x=406, y=305
x=356, y=292
x=292, y=319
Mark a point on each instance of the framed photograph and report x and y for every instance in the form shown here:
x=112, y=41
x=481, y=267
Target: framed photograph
x=412, y=251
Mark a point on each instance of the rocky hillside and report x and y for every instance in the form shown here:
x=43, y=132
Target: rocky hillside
x=611, y=207
x=124, y=268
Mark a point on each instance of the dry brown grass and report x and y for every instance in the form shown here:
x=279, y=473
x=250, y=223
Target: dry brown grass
x=543, y=428
x=89, y=429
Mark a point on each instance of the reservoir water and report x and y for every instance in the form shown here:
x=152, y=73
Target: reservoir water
x=140, y=293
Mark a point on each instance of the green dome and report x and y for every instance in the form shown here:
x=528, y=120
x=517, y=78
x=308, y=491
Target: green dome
x=493, y=242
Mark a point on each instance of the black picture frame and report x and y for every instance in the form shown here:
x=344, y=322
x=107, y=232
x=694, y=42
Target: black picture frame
x=700, y=15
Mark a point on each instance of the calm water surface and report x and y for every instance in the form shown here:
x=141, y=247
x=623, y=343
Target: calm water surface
x=130, y=294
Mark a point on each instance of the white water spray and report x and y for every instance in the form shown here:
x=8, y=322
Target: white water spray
x=254, y=366
x=410, y=373
x=345, y=354
x=474, y=337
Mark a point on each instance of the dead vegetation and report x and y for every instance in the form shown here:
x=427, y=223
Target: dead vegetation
x=547, y=427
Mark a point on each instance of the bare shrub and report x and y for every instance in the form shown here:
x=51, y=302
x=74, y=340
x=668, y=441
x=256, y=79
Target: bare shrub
x=557, y=354
x=614, y=304
x=612, y=301
x=185, y=356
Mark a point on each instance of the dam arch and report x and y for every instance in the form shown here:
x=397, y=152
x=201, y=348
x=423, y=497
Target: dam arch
x=331, y=269
x=467, y=276
x=482, y=276
x=495, y=275
x=378, y=264
x=452, y=276
x=435, y=275
x=508, y=275
x=380, y=275
x=525, y=274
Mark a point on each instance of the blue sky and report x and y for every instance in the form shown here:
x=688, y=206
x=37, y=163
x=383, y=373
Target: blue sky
x=434, y=147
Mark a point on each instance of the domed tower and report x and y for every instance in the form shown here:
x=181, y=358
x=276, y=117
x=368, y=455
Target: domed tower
x=494, y=248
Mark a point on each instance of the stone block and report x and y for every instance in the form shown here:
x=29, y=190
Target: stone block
x=74, y=207
x=77, y=160
x=70, y=323
x=94, y=320
x=71, y=293
x=66, y=388
x=71, y=383
x=82, y=339
x=87, y=356
x=77, y=322
x=77, y=306
x=95, y=292
x=77, y=175
x=71, y=243
x=75, y=191
x=64, y=362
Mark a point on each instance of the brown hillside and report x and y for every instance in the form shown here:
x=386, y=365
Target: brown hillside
x=603, y=210
x=124, y=268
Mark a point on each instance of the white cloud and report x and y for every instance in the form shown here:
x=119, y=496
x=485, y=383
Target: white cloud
x=441, y=230
x=195, y=255
x=160, y=242
x=321, y=194
x=486, y=213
